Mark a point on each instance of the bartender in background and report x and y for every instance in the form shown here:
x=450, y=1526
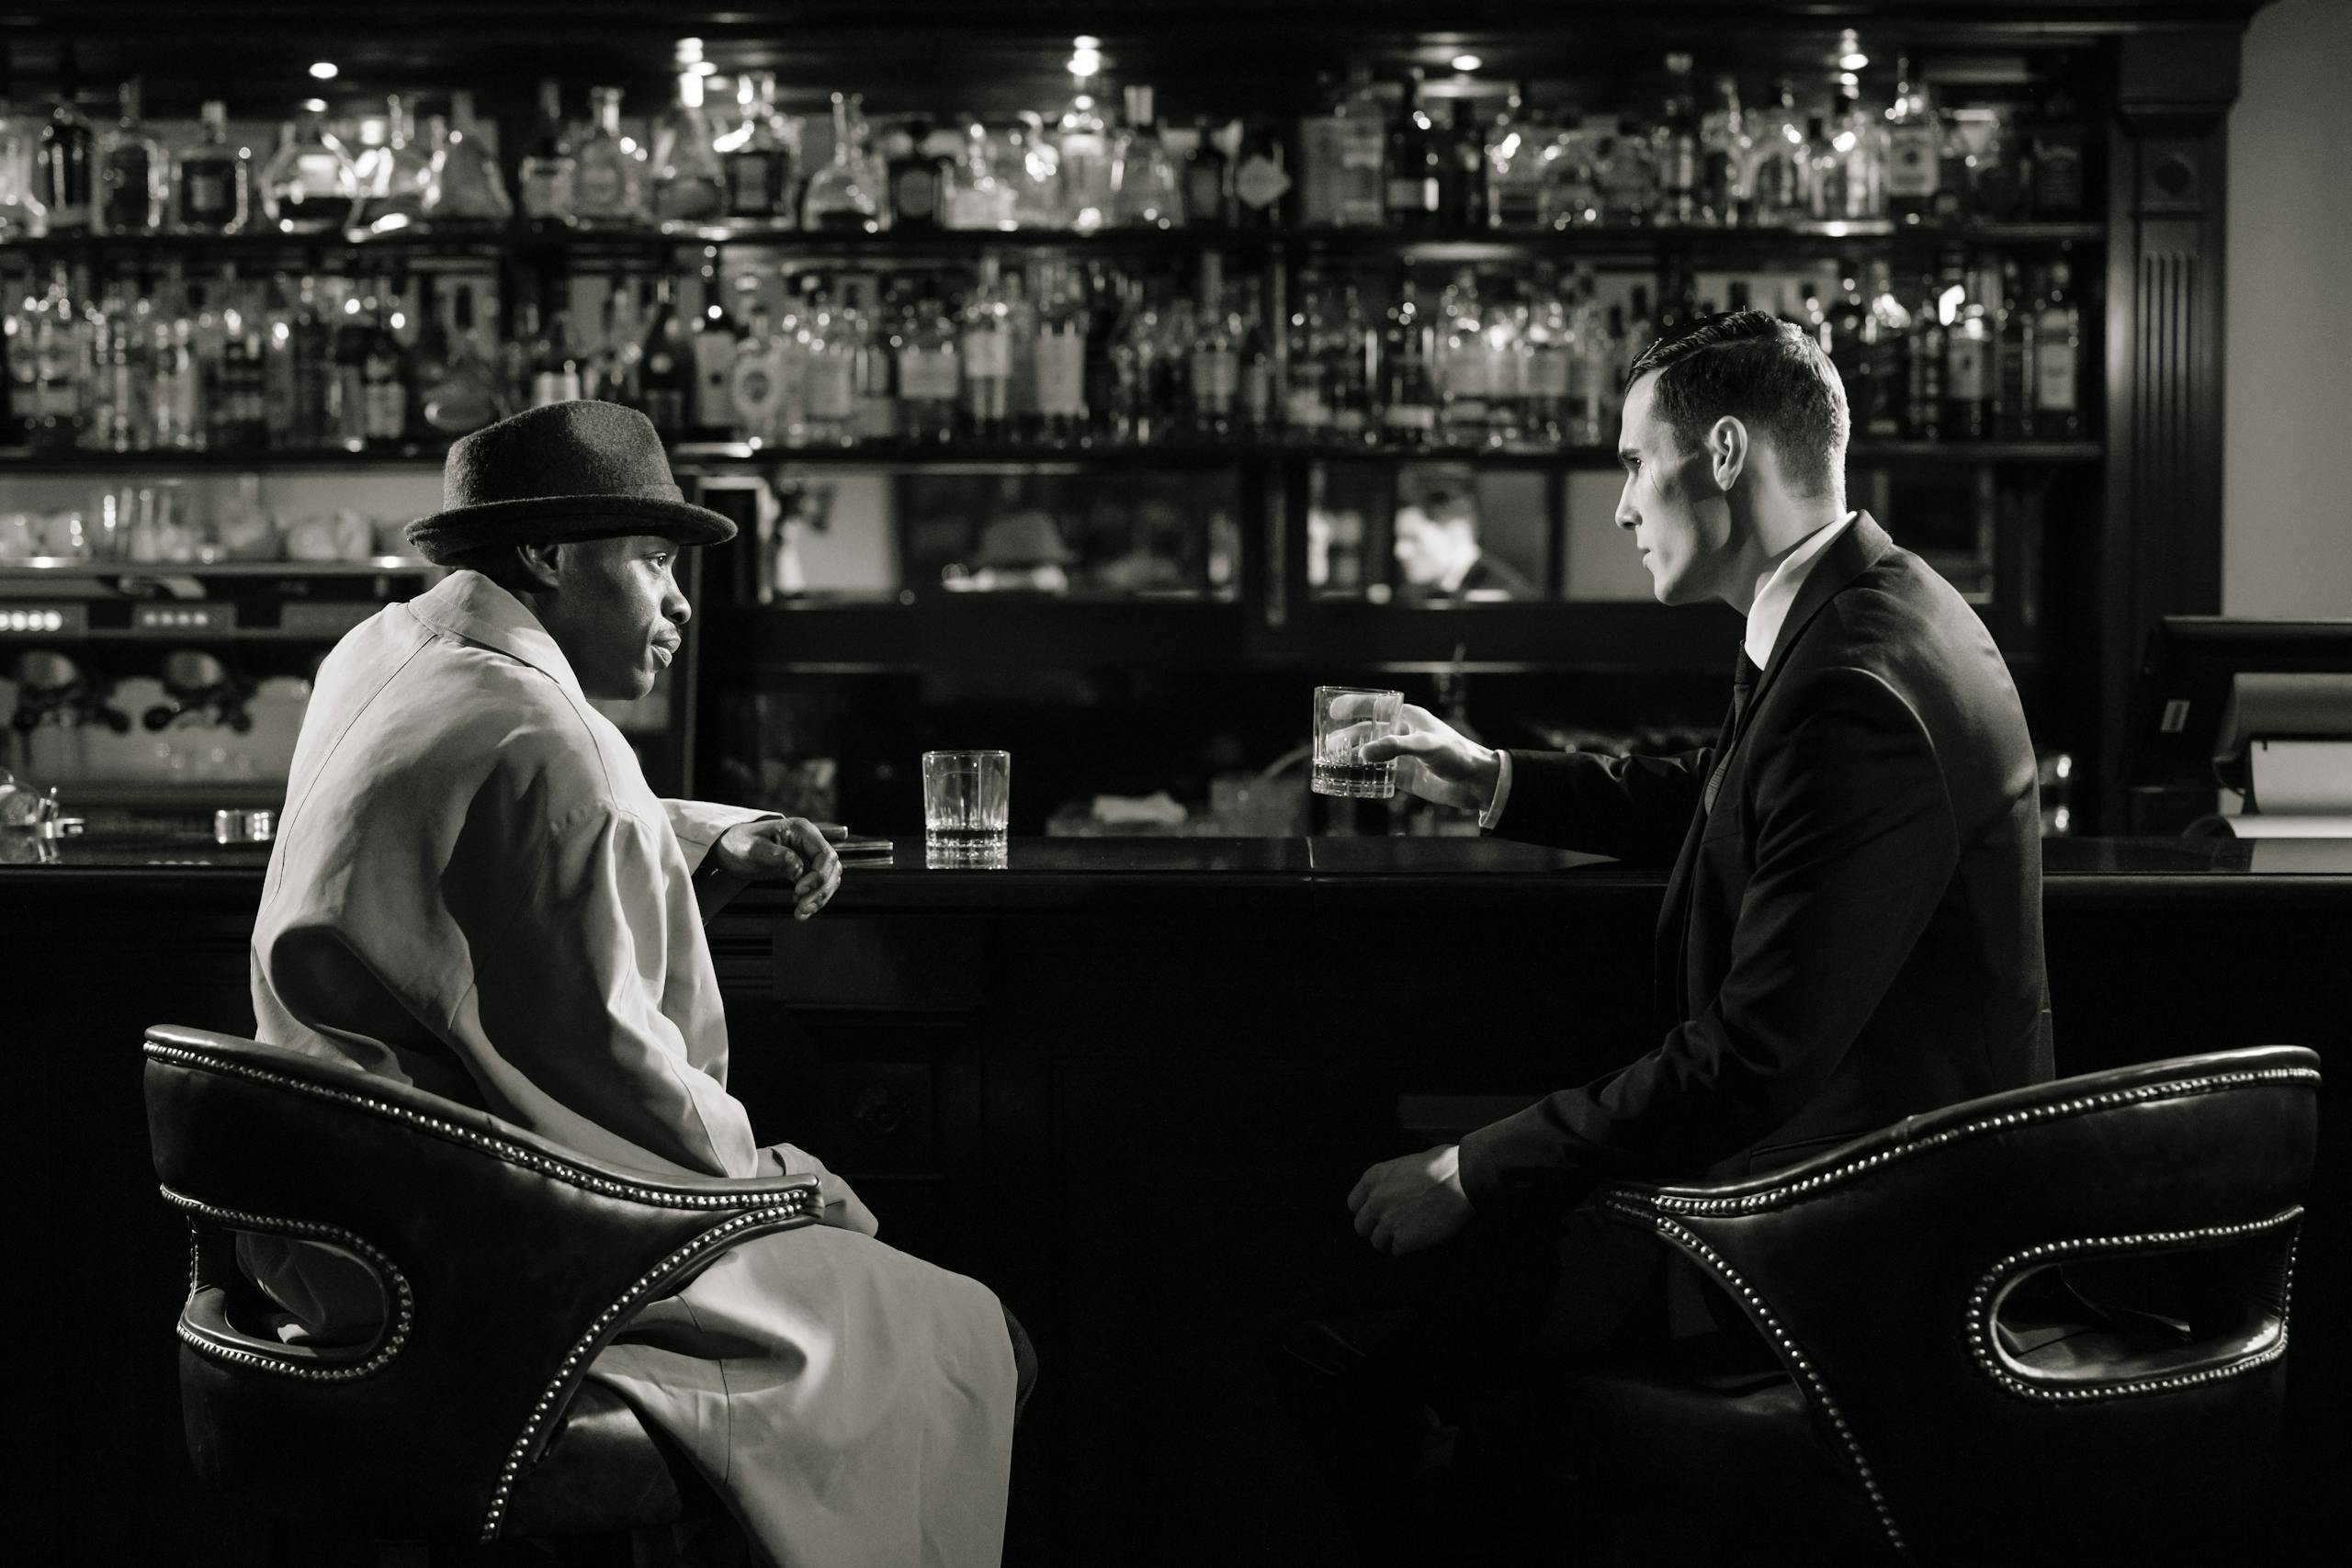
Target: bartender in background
x=1437, y=545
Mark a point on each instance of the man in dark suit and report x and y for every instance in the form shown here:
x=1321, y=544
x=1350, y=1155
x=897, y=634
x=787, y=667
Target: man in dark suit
x=1852, y=929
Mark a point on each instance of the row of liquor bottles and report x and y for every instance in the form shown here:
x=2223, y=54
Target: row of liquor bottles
x=1040, y=348
x=1406, y=154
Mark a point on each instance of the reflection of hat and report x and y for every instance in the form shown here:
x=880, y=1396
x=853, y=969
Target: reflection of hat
x=1026, y=537
x=575, y=471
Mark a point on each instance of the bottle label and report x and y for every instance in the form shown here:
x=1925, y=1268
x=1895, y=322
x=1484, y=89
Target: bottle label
x=1204, y=191
x=1216, y=376
x=601, y=185
x=1414, y=196
x=1547, y=373
x=1318, y=170
x=1409, y=416
x=915, y=193
x=714, y=377
x=987, y=357
x=555, y=386
x=927, y=375
x=1912, y=160
x=1259, y=182
x=204, y=196
x=1061, y=374
x=2057, y=176
x=1306, y=408
x=751, y=183
x=832, y=393
x=1964, y=368
x=2054, y=375
x=547, y=189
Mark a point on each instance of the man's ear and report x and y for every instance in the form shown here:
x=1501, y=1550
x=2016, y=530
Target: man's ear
x=1727, y=452
x=539, y=564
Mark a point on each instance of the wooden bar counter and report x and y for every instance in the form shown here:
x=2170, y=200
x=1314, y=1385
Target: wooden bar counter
x=1126, y=1082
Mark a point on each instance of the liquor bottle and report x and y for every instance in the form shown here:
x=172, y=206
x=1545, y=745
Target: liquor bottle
x=919, y=179
x=549, y=168
x=788, y=361
x=462, y=184
x=464, y=395
x=1261, y=177
x=133, y=174
x=1506, y=351
x=1968, y=356
x=1416, y=177
x=23, y=214
x=1675, y=144
x=1351, y=347
x=1318, y=158
x=1143, y=185
x=1776, y=179
x=2013, y=345
x=393, y=177
x=2057, y=359
x=380, y=370
x=1548, y=347
x=66, y=158
x=930, y=369
x=301, y=421
x=1518, y=172
x=760, y=155
x=1824, y=173
x=1461, y=370
x=1064, y=324
x=427, y=358
x=555, y=366
x=984, y=341
x=1361, y=135
x=1914, y=148
x=667, y=362
x=1640, y=331
x=1625, y=172
x=840, y=198
x=1208, y=201
x=1214, y=361
x=829, y=360
x=616, y=371
x=1408, y=399
x=1135, y=413
x=608, y=174
x=1462, y=196
x=873, y=362
x=1886, y=336
x=198, y=401
x=1085, y=143
x=1861, y=135
x=715, y=343
x=1254, y=405
x=689, y=185
x=752, y=382
x=1590, y=365
x=1307, y=399
x=52, y=412
x=310, y=182
x=1727, y=156
x=2058, y=140
x=1924, y=367
x=212, y=179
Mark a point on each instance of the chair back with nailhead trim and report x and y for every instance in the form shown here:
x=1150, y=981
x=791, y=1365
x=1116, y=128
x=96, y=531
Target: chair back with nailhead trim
x=505, y=1262
x=2054, y=1314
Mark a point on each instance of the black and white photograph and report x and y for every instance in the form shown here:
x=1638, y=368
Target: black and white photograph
x=1323, y=784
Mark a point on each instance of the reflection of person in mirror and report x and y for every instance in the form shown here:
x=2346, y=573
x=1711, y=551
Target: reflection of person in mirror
x=1437, y=545
x=1020, y=551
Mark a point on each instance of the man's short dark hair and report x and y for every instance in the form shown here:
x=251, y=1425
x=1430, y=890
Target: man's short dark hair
x=1764, y=372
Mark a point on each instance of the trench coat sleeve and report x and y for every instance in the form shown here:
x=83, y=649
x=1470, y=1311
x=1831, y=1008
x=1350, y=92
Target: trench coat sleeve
x=698, y=824
x=576, y=994
x=1855, y=842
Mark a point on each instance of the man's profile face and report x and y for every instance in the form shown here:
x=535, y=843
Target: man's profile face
x=1428, y=548
x=1670, y=503
x=617, y=612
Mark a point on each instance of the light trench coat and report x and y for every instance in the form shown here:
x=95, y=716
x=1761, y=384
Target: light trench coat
x=474, y=891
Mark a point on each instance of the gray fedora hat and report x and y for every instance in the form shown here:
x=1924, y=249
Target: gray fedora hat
x=575, y=471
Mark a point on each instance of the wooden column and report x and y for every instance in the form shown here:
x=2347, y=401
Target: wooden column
x=2160, y=547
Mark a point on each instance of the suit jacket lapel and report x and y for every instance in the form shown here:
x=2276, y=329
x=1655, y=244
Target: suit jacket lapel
x=1849, y=556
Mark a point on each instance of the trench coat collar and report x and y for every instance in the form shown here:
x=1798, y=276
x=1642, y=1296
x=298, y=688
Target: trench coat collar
x=469, y=605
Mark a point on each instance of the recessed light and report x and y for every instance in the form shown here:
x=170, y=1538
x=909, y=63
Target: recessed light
x=1854, y=61
x=325, y=71
x=1467, y=63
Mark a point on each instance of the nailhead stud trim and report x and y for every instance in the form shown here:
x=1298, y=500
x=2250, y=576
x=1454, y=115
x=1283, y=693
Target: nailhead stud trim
x=1792, y=1354
x=402, y=1299
x=1980, y=1325
x=800, y=1205
x=2080, y=1105
x=498, y=1148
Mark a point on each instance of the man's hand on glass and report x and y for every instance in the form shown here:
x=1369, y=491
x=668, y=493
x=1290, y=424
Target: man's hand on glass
x=792, y=848
x=1405, y=1204
x=1433, y=759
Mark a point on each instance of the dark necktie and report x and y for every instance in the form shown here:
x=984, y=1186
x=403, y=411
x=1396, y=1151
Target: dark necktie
x=1744, y=677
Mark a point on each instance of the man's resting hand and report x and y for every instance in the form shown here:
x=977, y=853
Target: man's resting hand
x=1403, y=1205
x=787, y=847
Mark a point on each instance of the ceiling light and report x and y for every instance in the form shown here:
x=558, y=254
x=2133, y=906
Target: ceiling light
x=324, y=71
x=689, y=48
x=1854, y=61
x=1467, y=63
x=1084, y=44
x=316, y=106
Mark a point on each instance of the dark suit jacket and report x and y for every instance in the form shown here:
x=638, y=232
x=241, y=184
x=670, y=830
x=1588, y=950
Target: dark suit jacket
x=1851, y=935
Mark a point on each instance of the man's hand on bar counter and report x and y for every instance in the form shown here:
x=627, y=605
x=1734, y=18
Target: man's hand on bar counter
x=1433, y=759
x=790, y=847
x=1405, y=1204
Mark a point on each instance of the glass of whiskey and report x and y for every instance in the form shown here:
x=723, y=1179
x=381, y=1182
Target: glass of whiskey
x=1345, y=717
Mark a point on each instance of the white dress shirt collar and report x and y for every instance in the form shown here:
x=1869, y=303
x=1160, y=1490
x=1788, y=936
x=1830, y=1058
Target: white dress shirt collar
x=1779, y=594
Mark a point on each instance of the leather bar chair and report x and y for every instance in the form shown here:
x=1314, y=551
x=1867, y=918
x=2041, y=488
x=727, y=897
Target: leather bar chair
x=2047, y=1325
x=505, y=1262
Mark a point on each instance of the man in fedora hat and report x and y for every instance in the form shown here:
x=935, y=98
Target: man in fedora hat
x=474, y=890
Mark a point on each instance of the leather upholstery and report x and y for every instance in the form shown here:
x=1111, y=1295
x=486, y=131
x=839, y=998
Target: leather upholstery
x=1934, y=1292
x=507, y=1261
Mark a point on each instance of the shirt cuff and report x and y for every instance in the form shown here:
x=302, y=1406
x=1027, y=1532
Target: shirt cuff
x=1494, y=812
